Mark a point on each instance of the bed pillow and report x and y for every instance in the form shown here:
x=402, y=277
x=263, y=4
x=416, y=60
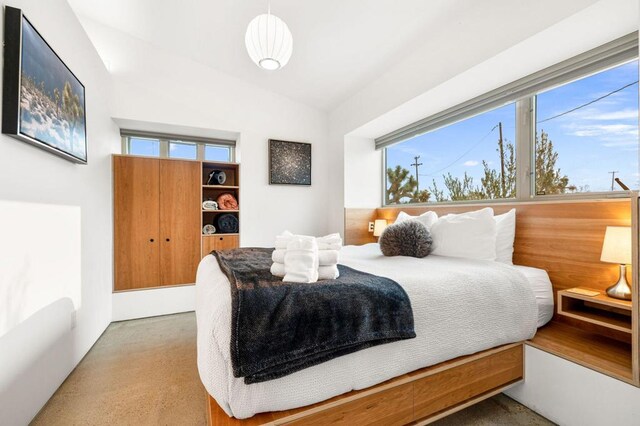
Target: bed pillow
x=427, y=218
x=407, y=238
x=469, y=235
x=505, y=236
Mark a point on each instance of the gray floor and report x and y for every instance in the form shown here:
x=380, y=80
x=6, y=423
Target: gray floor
x=144, y=372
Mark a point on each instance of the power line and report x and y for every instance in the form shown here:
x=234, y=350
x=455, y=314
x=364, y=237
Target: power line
x=432, y=174
x=588, y=103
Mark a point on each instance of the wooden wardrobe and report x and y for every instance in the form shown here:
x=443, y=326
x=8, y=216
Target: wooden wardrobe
x=157, y=204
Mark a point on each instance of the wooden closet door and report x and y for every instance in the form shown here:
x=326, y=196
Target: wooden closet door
x=136, y=188
x=180, y=209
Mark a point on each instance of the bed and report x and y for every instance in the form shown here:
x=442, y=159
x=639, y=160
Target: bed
x=460, y=306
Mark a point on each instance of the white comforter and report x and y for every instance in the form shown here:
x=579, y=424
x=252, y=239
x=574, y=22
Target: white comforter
x=460, y=307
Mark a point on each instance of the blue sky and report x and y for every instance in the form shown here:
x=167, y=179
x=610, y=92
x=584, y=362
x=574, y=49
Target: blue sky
x=590, y=142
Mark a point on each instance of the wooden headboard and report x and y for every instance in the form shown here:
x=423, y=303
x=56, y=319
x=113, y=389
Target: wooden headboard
x=562, y=237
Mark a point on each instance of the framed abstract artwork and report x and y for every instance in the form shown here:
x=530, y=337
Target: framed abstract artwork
x=289, y=163
x=43, y=102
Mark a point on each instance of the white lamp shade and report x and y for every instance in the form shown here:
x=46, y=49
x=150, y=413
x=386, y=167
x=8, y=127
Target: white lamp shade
x=378, y=226
x=617, y=245
x=269, y=42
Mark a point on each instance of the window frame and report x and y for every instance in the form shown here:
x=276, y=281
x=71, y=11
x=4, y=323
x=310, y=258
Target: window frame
x=166, y=140
x=525, y=125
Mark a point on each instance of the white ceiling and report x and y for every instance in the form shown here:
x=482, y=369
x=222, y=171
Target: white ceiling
x=340, y=46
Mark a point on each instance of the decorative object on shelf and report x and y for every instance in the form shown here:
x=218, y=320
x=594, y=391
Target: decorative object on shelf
x=616, y=248
x=217, y=177
x=379, y=226
x=210, y=205
x=227, y=223
x=43, y=101
x=227, y=201
x=209, y=229
x=269, y=41
x=289, y=163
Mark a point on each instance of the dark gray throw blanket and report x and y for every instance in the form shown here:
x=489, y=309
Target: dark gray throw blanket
x=278, y=328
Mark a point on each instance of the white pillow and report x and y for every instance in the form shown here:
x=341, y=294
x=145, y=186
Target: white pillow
x=505, y=235
x=470, y=235
x=427, y=218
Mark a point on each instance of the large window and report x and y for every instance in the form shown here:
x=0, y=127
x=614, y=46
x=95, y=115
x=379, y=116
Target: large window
x=170, y=146
x=568, y=130
x=473, y=159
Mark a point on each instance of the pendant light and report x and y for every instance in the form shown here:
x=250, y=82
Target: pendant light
x=269, y=41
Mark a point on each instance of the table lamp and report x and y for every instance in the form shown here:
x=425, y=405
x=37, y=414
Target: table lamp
x=617, y=249
x=379, y=226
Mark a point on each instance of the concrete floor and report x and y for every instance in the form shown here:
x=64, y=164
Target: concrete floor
x=143, y=372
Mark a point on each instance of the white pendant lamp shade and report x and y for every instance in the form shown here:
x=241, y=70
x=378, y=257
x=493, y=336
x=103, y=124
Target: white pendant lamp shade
x=269, y=42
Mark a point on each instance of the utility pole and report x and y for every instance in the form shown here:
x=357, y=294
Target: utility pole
x=613, y=177
x=501, y=147
x=416, y=164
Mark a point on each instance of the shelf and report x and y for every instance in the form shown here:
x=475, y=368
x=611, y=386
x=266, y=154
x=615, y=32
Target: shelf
x=594, y=351
x=220, y=233
x=220, y=211
x=601, y=310
x=220, y=187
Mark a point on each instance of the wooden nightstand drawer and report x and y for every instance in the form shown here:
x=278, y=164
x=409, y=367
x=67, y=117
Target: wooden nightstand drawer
x=601, y=310
x=219, y=242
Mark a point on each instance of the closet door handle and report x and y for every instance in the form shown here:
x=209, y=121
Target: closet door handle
x=168, y=240
x=151, y=240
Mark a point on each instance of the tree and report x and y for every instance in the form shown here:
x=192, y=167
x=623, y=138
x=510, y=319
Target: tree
x=403, y=186
x=549, y=180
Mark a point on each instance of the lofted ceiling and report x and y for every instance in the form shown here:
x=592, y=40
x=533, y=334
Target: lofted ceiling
x=340, y=46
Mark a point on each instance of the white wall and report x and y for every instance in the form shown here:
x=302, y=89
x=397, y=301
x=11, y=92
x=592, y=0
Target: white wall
x=37, y=354
x=411, y=90
x=153, y=85
x=362, y=173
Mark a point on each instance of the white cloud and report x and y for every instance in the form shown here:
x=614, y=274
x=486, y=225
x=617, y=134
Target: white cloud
x=627, y=114
x=605, y=130
x=471, y=163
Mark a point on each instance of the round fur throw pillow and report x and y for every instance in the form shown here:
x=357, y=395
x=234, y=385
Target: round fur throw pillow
x=408, y=238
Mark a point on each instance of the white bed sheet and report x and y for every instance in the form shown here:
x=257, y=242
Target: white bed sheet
x=543, y=290
x=460, y=307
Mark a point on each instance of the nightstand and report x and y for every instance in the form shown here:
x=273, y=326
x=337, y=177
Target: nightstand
x=601, y=309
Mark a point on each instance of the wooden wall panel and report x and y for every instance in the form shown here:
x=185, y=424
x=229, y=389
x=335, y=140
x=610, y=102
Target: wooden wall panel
x=180, y=207
x=356, y=226
x=136, y=217
x=562, y=237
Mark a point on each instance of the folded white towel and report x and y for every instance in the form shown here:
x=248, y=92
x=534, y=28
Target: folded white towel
x=329, y=246
x=301, y=260
x=328, y=272
x=278, y=255
x=327, y=257
x=330, y=239
x=277, y=269
x=283, y=239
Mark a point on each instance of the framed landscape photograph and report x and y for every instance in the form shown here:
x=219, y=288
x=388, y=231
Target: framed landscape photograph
x=289, y=163
x=43, y=101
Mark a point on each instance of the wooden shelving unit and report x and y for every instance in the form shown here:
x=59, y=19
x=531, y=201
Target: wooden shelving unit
x=600, y=310
x=219, y=241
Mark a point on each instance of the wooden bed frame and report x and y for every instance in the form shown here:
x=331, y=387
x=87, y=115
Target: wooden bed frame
x=562, y=237
x=422, y=396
